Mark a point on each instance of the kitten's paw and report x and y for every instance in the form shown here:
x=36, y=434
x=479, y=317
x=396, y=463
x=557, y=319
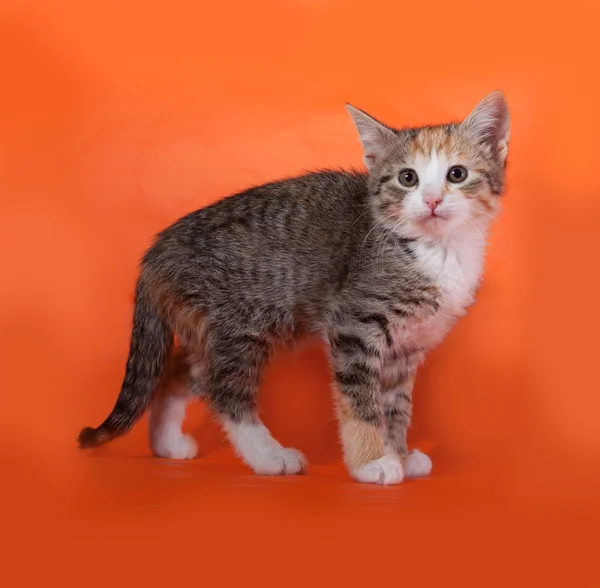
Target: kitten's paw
x=280, y=461
x=417, y=464
x=385, y=470
x=175, y=447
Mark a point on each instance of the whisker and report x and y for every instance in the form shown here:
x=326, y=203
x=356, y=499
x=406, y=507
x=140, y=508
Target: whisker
x=498, y=221
x=386, y=235
x=376, y=225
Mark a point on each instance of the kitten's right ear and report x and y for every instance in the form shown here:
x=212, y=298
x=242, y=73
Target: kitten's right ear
x=489, y=122
x=374, y=136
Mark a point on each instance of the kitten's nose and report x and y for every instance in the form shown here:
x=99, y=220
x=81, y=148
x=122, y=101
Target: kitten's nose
x=432, y=201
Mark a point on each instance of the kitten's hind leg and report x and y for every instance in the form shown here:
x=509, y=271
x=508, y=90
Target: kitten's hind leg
x=235, y=366
x=256, y=446
x=167, y=413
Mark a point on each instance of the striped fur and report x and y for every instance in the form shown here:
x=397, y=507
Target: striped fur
x=379, y=269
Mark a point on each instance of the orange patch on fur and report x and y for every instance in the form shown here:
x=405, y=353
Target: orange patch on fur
x=394, y=381
x=432, y=139
x=362, y=442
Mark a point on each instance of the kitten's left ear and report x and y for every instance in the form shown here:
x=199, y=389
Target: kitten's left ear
x=374, y=136
x=489, y=122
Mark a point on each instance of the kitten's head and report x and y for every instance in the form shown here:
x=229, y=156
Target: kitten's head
x=439, y=180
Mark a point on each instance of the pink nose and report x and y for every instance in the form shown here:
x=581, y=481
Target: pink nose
x=432, y=201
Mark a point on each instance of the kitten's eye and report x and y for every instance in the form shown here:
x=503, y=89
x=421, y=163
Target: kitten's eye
x=408, y=178
x=457, y=174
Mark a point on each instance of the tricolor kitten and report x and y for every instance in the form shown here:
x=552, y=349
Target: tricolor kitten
x=380, y=265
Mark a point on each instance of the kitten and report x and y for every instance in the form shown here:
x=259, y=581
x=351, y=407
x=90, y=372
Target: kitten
x=379, y=264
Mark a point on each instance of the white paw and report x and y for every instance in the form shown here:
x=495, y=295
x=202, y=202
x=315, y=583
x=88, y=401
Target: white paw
x=385, y=470
x=417, y=464
x=176, y=447
x=280, y=461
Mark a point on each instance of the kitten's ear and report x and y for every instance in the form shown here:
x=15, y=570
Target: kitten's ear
x=374, y=136
x=489, y=122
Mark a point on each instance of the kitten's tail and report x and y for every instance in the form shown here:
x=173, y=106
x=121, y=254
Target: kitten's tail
x=151, y=342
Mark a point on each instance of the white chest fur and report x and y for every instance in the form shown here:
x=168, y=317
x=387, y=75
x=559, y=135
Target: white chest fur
x=455, y=267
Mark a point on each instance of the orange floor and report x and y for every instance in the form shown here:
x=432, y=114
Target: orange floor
x=116, y=117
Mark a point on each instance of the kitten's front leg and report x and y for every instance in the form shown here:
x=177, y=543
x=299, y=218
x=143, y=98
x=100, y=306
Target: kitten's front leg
x=357, y=367
x=397, y=381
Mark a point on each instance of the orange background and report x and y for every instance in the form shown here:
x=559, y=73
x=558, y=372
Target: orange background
x=116, y=117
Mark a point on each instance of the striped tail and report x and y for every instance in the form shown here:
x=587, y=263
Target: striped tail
x=151, y=342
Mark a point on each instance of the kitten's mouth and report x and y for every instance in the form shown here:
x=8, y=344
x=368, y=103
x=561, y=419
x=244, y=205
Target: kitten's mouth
x=434, y=222
x=433, y=217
